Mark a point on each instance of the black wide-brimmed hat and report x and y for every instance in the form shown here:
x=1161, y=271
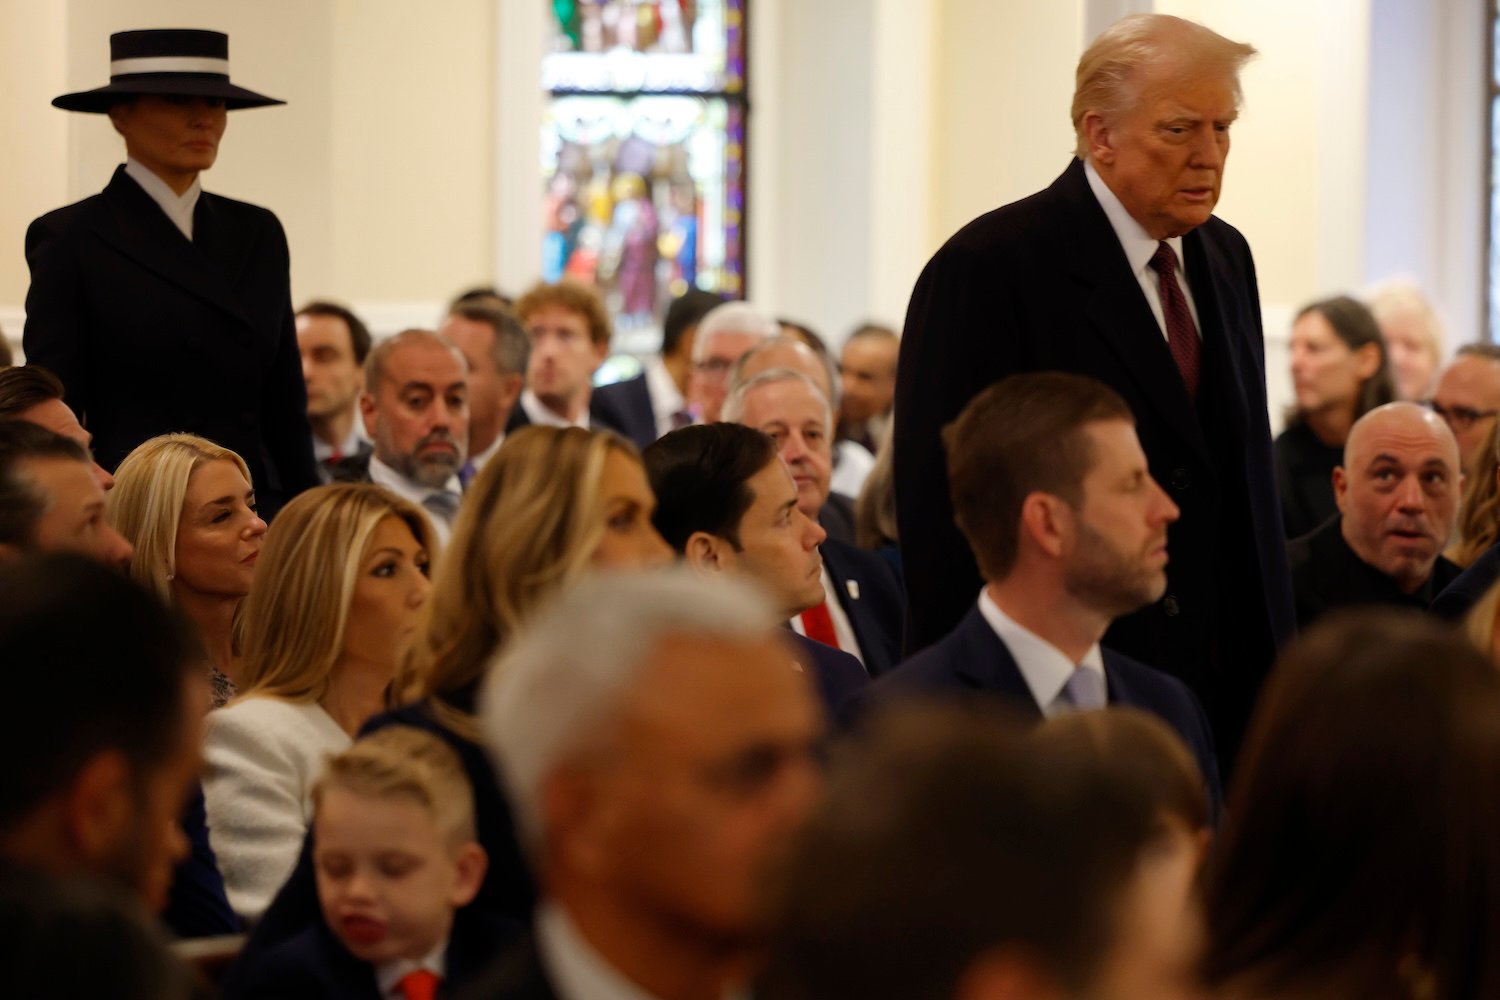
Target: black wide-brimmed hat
x=181, y=62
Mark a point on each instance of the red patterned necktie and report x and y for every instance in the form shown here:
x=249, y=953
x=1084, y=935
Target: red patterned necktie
x=1182, y=335
x=419, y=985
x=817, y=625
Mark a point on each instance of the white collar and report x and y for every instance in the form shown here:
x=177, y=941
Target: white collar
x=477, y=461
x=577, y=971
x=351, y=444
x=665, y=396
x=539, y=413
x=1043, y=666
x=408, y=489
x=388, y=975
x=1138, y=245
x=179, y=208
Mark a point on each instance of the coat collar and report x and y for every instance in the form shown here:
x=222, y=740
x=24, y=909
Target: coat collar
x=137, y=227
x=1089, y=253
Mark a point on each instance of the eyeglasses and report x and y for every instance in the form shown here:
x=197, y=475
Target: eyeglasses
x=714, y=367
x=1460, y=418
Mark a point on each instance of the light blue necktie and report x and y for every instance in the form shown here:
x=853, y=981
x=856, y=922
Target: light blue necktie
x=443, y=503
x=1084, y=690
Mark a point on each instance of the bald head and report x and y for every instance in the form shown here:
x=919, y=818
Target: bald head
x=1398, y=491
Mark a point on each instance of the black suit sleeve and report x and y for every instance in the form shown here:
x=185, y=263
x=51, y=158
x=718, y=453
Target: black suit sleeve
x=956, y=342
x=56, y=326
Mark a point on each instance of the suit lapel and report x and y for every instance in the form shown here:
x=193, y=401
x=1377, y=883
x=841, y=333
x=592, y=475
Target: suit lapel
x=138, y=228
x=1118, y=313
x=982, y=661
x=1215, y=295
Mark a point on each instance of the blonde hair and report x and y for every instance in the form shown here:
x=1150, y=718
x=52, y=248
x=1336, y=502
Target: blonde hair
x=292, y=630
x=146, y=504
x=1479, y=513
x=409, y=763
x=1402, y=298
x=1107, y=81
x=529, y=525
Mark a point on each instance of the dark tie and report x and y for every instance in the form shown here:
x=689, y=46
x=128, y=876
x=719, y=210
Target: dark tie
x=1182, y=335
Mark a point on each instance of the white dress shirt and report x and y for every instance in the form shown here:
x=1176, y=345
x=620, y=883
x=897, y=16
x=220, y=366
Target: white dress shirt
x=1043, y=666
x=405, y=488
x=666, y=398
x=179, y=208
x=323, y=451
x=538, y=413
x=388, y=975
x=852, y=464
x=1139, y=248
x=842, y=630
x=477, y=461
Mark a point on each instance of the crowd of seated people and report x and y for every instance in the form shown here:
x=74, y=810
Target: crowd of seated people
x=555, y=691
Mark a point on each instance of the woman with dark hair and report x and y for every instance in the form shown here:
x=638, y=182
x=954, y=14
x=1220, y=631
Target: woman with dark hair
x=1340, y=372
x=1361, y=856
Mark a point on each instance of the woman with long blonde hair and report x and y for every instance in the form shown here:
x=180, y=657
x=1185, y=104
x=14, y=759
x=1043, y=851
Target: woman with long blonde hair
x=553, y=503
x=338, y=597
x=188, y=507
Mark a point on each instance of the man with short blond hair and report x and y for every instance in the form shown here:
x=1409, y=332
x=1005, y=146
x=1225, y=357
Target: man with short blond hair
x=1120, y=271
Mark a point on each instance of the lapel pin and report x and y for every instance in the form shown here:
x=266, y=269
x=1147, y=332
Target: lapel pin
x=853, y=587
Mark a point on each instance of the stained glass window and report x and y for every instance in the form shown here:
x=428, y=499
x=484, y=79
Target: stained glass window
x=643, y=150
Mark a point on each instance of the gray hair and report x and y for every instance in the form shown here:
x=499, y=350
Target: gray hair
x=825, y=362
x=512, y=348
x=733, y=317
x=734, y=406
x=566, y=676
x=1108, y=77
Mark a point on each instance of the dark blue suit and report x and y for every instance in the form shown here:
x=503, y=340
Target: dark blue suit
x=315, y=965
x=626, y=406
x=1455, y=600
x=869, y=591
x=1044, y=285
x=196, y=904
x=839, y=676
x=972, y=661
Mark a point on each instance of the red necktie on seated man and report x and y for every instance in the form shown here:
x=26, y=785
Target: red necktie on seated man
x=817, y=625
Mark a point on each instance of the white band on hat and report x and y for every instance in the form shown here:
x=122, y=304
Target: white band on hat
x=169, y=64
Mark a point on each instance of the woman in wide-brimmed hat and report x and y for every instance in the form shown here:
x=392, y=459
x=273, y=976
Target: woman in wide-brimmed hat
x=163, y=307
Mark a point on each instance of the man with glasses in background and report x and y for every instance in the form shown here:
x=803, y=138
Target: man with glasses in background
x=1468, y=398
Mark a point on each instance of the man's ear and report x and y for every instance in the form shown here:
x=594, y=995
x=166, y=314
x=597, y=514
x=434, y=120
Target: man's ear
x=1045, y=520
x=367, y=412
x=601, y=351
x=1340, y=488
x=510, y=390
x=1099, y=137
x=98, y=806
x=708, y=553
x=1367, y=359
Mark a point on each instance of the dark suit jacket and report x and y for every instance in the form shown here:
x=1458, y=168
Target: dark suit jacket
x=870, y=593
x=1043, y=284
x=518, y=974
x=1455, y=600
x=315, y=965
x=626, y=406
x=519, y=419
x=1304, y=476
x=151, y=333
x=973, y=662
x=838, y=676
x=196, y=903
x=837, y=518
x=1326, y=574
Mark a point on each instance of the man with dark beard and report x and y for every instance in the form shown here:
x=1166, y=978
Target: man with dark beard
x=1050, y=488
x=416, y=411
